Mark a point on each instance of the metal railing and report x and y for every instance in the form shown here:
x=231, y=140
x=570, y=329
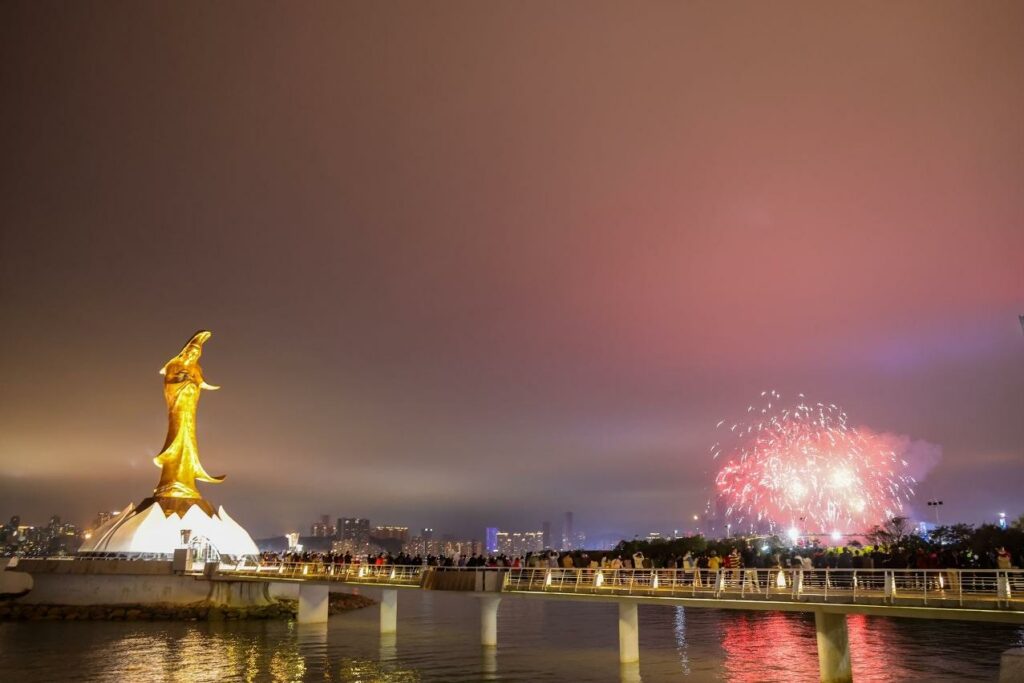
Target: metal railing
x=974, y=588
x=992, y=588
x=392, y=575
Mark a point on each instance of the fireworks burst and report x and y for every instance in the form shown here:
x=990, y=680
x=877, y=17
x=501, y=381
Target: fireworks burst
x=804, y=466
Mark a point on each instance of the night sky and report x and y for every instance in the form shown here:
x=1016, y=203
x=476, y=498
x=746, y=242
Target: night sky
x=479, y=263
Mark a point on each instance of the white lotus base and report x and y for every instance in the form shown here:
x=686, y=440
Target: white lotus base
x=151, y=532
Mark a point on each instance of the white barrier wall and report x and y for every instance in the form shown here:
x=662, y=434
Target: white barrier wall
x=113, y=582
x=12, y=583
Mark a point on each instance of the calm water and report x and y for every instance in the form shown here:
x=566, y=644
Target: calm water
x=438, y=640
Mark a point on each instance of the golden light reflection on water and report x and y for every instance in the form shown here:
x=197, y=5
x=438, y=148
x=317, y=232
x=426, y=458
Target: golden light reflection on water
x=213, y=653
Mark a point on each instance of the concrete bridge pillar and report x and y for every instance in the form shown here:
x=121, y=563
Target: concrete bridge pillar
x=489, y=620
x=833, y=647
x=313, y=601
x=1011, y=667
x=629, y=633
x=389, y=610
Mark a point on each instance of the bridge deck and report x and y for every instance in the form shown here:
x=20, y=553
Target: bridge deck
x=994, y=595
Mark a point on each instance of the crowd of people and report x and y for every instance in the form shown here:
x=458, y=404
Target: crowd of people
x=740, y=556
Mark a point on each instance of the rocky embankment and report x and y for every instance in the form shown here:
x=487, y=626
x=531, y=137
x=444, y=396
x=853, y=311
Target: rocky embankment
x=280, y=609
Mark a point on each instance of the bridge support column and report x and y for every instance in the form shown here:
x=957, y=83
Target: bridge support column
x=388, y=610
x=313, y=601
x=1011, y=668
x=629, y=633
x=489, y=620
x=833, y=647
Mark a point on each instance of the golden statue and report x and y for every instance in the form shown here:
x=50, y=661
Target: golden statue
x=179, y=460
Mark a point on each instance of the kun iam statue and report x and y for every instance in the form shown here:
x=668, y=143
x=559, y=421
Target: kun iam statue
x=176, y=514
x=179, y=460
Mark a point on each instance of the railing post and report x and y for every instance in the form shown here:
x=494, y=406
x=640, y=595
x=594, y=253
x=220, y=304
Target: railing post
x=890, y=585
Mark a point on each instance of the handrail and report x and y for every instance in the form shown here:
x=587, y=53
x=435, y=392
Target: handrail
x=994, y=588
x=984, y=588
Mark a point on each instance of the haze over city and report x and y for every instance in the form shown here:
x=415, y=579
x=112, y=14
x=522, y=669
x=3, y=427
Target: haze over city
x=465, y=268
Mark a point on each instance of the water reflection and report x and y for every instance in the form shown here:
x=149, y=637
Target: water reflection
x=682, y=647
x=278, y=652
x=388, y=647
x=489, y=664
x=763, y=646
x=538, y=640
x=630, y=673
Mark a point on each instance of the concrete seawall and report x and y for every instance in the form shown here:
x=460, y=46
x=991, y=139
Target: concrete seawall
x=13, y=583
x=115, y=582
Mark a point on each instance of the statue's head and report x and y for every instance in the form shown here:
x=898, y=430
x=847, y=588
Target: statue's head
x=190, y=353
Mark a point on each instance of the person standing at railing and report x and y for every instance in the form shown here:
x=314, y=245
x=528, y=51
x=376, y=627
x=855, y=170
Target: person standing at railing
x=1003, y=558
x=689, y=566
x=618, y=564
x=844, y=563
x=714, y=564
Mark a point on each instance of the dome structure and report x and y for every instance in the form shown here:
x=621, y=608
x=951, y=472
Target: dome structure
x=150, y=532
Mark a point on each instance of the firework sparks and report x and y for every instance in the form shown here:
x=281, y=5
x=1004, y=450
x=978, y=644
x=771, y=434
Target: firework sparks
x=803, y=466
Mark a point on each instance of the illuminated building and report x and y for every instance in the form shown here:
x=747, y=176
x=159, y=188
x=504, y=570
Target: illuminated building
x=323, y=528
x=514, y=543
x=353, y=535
x=397, y=533
x=491, y=539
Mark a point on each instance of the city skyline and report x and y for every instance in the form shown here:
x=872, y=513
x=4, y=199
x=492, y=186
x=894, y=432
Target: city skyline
x=463, y=291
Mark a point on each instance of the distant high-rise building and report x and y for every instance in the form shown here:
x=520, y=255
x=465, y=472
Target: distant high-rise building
x=567, y=537
x=353, y=534
x=491, y=539
x=546, y=531
x=518, y=543
x=398, y=533
x=102, y=517
x=322, y=528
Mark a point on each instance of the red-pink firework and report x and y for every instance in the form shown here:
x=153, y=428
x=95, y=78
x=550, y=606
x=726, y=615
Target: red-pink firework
x=803, y=466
